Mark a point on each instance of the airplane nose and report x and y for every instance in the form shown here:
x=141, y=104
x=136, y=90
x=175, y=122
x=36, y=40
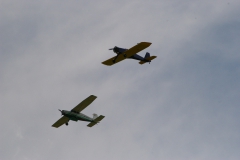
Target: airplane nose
x=61, y=111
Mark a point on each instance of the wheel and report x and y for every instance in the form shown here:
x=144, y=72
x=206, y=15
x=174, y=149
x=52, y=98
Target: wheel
x=66, y=124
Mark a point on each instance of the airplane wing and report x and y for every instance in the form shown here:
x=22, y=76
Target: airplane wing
x=81, y=106
x=98, y=119
x=130, y=52
x=61, y=121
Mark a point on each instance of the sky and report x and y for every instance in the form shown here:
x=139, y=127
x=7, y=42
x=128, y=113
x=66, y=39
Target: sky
x=184, y=105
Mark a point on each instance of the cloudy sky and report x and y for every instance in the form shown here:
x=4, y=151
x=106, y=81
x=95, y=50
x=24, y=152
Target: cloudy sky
x=184, y=105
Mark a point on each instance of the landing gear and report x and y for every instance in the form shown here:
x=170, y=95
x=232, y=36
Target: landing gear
x=66, y=124
x=114, y=61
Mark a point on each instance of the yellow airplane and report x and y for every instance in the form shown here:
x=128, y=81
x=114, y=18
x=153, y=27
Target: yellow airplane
x=123, y=53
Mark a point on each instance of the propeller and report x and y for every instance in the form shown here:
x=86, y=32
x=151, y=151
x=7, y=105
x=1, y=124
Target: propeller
x=113, y=48
x=60, y=111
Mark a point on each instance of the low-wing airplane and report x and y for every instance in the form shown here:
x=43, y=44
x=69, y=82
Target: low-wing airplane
x=123, y=53
x=75, y=114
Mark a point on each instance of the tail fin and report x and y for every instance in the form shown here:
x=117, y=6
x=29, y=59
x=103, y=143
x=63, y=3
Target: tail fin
x=95, y=115
x=147, y=55
x=95, y=121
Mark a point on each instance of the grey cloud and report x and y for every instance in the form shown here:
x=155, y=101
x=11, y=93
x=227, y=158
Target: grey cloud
x=184, y=105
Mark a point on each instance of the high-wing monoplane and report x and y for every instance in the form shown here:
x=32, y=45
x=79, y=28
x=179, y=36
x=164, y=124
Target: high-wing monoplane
x=123, y=53
x=75, y=114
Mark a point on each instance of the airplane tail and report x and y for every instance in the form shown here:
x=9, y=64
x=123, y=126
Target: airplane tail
x=147, y=58
x=147, y=55
x=95, y=115
x=96, y=120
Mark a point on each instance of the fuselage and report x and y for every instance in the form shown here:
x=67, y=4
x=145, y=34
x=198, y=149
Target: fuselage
x=118, y=50
x=76, y=116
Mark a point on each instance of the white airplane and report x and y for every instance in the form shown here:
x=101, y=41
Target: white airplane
x=75, y=114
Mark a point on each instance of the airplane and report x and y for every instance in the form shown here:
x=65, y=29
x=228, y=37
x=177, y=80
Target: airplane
x=123, y=53
x=75, y=114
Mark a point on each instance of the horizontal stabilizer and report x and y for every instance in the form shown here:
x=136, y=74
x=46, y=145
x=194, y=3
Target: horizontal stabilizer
x=149, y=59
x=97, y=120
